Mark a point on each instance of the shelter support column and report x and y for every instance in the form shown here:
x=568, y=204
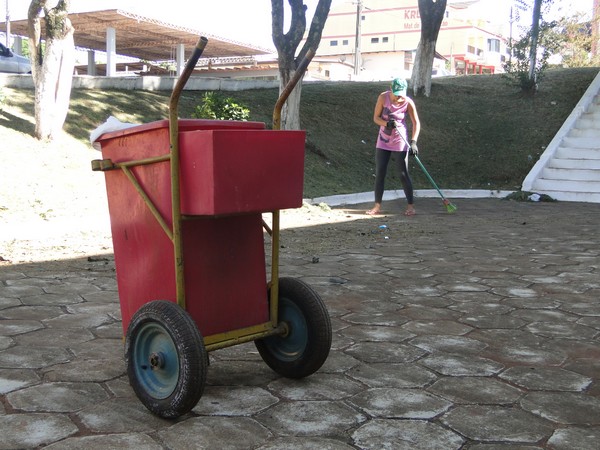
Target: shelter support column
x=111, y=52
x=180, y=58
x=91, y=63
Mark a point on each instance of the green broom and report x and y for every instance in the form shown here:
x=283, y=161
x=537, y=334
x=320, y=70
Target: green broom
x=450, y=208
x=447, y=203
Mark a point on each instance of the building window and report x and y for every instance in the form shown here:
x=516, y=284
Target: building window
x=374, y=40
x=345, y=42
x=494, y=45
x=333, y=43
x=384, y=39
x=327, y=74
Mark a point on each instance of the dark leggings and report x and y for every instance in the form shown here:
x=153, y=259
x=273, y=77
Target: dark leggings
x=382, y=158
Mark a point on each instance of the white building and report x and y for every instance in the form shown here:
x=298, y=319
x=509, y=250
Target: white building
x=385, y=38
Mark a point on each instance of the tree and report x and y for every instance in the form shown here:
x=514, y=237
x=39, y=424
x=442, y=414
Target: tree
x=52, y=64
x=530, y=53
x=287, y=44
x=576, y=37
x=432, y=14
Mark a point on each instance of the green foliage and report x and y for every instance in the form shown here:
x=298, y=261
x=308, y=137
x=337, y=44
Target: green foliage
x=217, y=106
x=575, y=37
x=517, y=68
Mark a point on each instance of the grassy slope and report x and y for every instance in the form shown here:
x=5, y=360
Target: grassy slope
x=477, y=131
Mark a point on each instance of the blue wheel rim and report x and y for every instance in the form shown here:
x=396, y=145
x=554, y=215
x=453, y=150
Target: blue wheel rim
x=292, y=345
x=156, y=361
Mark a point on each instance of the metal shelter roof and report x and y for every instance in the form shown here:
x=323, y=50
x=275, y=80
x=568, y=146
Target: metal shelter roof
x=143, y=37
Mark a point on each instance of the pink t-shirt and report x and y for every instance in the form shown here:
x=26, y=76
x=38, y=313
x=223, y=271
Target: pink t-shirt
x=391, y=139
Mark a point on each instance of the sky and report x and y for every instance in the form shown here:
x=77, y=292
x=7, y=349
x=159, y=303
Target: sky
x=249, y=21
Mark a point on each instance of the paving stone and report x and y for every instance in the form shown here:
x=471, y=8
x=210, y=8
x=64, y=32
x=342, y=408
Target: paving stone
x=5, y=342
x=494, y=424
x=78, y=321
x=231, y=433
x=247, y=373
x=374, y=352
x=546, y=379
x=437, y=327
x=31, y=313
x=120, y=416
x=563, y=330
x=449, y=344
x=33, y=430
x=480, y=308
x=51, y=299
x=61, y=337
x=18, y=292
x=494, y=322
x=475, y=390
x=109, y=441
x=377, y=375
x=388, y=319
x=380, y=434
x=575, y=438
x=15, y=327
x=316, y=387
x=400, y=403
x=564, y=407
x=376, y=333
x=14, y=379
x=459, y=365
x=56, y=397
x=310, y=418
x=88, y=370
x=33, y=358
x=545, y=315
x=234, y=401
x=304, y=443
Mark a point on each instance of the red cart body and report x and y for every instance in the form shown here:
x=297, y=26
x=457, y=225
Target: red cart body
x=230, y=172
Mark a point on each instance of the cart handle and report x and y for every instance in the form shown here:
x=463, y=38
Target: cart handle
x=175, y=187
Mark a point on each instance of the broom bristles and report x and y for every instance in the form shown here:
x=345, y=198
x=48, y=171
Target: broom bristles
x=449, y=206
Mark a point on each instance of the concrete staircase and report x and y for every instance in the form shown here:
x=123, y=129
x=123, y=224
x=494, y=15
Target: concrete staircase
x=569, y=169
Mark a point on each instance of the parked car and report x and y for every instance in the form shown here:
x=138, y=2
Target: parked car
x=13, y=63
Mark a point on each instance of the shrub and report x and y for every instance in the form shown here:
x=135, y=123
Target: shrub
x=217, y=106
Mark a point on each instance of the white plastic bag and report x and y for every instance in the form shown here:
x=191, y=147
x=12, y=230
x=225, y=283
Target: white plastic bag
x=111, y=124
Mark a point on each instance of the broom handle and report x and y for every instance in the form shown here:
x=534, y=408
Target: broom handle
x=421, y=165
x=429, y=176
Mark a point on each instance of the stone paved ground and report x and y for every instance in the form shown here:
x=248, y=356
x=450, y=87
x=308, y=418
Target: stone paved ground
x=478, y=330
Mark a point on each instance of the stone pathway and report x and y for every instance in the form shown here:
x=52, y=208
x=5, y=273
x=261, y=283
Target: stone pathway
x=478, y=330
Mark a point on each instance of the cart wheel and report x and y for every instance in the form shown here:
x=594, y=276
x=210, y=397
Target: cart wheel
x=305, y=346
x=166, y=359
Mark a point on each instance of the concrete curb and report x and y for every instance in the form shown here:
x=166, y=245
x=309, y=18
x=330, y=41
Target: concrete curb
x=366, y=197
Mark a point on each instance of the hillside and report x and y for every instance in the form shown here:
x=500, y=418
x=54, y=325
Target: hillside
x=477, y=131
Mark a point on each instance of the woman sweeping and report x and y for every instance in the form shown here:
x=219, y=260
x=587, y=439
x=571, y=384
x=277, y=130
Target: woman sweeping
x=390, y=114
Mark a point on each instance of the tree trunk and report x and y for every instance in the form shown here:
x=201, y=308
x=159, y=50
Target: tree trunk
x=287, y=44
x=432, y=14
x=52, y=69
x=535, y=33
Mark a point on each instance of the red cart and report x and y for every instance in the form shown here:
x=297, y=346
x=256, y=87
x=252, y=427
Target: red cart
x=186, y=199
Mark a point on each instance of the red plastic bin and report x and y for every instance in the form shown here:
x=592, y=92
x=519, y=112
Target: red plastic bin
x=231, y=172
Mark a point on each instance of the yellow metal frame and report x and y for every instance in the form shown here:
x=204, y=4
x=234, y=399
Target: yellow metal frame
x=233, y=337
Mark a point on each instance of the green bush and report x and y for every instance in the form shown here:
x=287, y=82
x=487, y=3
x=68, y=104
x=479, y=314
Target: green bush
x=217, y=106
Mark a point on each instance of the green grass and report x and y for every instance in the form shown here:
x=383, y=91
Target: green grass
x=477, y=131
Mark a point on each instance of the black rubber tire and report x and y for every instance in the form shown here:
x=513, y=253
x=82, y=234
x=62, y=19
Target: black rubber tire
x=165, y=358
x=304, y=349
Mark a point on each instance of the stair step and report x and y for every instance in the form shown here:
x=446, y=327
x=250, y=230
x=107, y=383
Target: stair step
x=557, y=163
x=585, y=132
x=571, y=175
x=585, y=123
x=591, y=115
x=581, y=142
x=576, y=153
x=542, y=184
